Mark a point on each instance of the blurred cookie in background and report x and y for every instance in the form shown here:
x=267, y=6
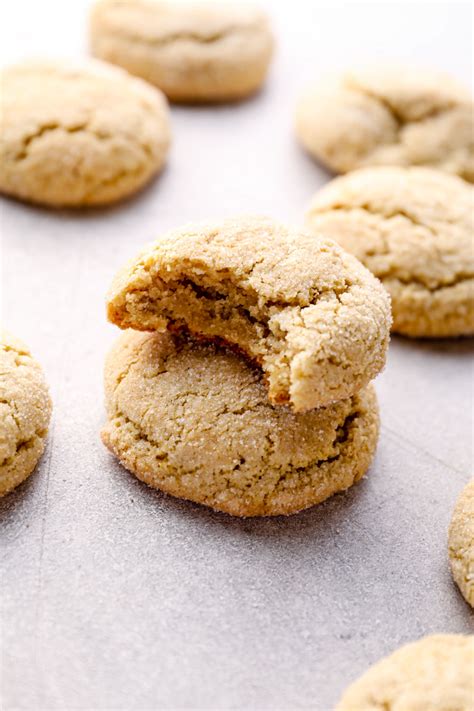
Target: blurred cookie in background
x=433, y=674
x=389, y=115
x=79, y=134
x=194, y=52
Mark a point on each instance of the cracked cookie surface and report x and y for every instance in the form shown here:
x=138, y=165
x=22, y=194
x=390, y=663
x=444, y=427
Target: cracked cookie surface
x=194, y=421
x=389, y=116
x=413, y=228
x=432, y=674
x=25, y=410
x=461, y=543
x=307, y=312
x=79, y=134
x=195, y=52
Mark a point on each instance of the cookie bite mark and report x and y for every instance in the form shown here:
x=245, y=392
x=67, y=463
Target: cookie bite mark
x=305, y=311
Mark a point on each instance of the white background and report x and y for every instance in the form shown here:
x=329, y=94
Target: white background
x=115, y=597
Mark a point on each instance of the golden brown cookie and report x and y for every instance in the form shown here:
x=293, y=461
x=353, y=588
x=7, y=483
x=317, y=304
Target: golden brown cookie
x=461, y=543
x=79, y=134
x=25, y=410
x=389, y=115
x=194, y=421
x=306, y=311
x=433, y=674
x=413, y=228
x=194, y=52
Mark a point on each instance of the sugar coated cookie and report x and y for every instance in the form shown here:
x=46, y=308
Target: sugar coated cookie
x=25, y=410
x=194, y=421
x=461, y=543
x=205, y=51
x=389, y=115
x=306, y=311
x=413, y=228
x=433, y=674
x=74, y=135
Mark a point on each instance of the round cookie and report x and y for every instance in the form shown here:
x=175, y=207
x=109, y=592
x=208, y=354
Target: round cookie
x=25, y=411
x=388, y=115
x=461, y=543
x=308, y=313
x=412, y=227
x=76, y=135
x=433, y=674
x=195, y=52
x=194, y=421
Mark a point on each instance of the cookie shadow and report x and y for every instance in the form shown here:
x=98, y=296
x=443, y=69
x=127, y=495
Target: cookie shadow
x=315, y=525
x=462, y=346
x=23, y=496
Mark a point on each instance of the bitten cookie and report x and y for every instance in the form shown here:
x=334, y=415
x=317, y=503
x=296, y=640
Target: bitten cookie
x=413, y=228
x=307, y=312
x=389, y=115
x=74, y=135
x=25, y=410
x=432, y=674
x=461, y=543
x=195, y=52
x=194, y=421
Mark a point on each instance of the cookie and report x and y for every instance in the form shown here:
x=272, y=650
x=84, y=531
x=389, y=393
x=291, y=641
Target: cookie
x=461, y=543
x=75, y=135
x=307, y=312
x=433, y=674
x=389, y=115
x=25, y=410
x=194, y=421
x=412, y=227
x=194, y=52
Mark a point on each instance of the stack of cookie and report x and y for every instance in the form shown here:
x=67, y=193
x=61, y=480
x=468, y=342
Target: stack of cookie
x=249, y=390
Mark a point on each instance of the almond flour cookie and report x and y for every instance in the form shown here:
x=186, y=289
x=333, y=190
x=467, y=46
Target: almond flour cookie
x=197, y=52
x=461, y=543
x=306, y=311
x=74, y=135
x=25, y=410
x=433, y=674
x=194, y=421
x=413, y=228
x=389, y=116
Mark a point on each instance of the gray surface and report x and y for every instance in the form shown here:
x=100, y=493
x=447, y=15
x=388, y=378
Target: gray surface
x=115, y=597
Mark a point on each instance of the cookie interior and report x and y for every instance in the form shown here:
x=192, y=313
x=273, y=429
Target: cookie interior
x=278, y=336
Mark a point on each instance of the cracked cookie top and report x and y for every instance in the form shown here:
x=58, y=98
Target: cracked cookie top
x=25, y=410
x=461, y=543
x=204, y=51
x=389, y=116
x=194, y=420
x=306, y=311
x=78, y=134
x=432, y=674
x=413, y=228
